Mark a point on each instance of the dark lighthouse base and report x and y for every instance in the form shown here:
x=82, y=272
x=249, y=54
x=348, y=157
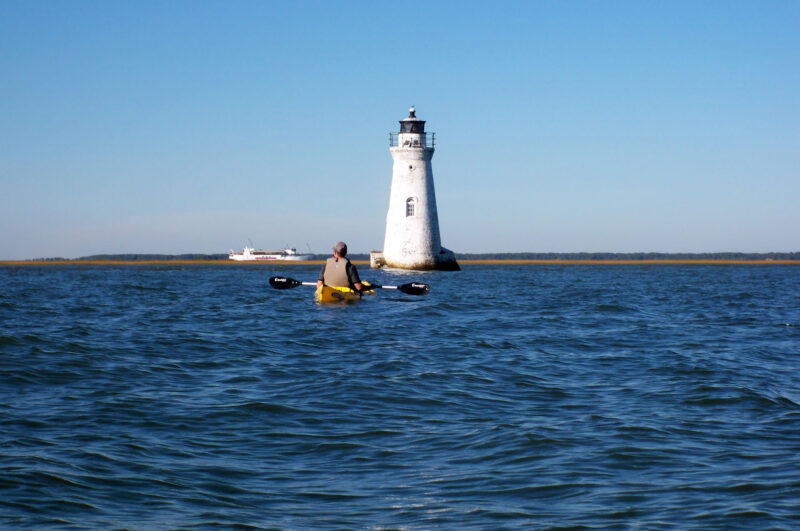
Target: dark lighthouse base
x=446, y=261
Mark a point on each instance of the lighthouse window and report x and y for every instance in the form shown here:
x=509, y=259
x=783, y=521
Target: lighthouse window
x=410, y=207
x=416, y=126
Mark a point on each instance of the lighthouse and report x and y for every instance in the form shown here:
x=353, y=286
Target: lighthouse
x=412, y=238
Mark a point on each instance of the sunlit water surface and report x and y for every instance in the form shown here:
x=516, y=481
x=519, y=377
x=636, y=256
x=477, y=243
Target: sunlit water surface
x=152, y=397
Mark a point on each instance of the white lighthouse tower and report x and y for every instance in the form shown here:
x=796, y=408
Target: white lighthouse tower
x=412, y=224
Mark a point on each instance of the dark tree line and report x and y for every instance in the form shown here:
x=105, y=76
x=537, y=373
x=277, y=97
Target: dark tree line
x=629, y=256
x=474, y=256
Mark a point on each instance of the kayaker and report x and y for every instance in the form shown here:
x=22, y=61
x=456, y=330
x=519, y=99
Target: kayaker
x=338, y=271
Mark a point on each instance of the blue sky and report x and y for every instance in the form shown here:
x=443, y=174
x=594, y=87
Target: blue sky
x=174, y=127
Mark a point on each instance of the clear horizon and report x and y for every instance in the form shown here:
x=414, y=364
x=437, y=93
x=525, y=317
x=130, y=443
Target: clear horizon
x=194, y=127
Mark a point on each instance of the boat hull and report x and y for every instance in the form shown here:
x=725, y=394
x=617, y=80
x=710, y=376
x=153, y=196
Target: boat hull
x=296, y=258
x=330, y=294
x=257, y=255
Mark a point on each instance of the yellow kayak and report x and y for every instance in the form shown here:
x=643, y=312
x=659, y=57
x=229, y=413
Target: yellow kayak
x=336, y=294
x=331, y=294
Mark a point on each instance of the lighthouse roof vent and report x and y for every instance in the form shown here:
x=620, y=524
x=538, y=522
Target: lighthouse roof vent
x=412, y=124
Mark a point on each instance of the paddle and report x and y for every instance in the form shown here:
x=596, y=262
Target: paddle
x=411, y=288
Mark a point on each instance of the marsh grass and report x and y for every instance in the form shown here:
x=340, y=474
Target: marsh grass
x=232, y=263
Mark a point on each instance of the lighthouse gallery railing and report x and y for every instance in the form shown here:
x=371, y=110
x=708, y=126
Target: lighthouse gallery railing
x=427, y=140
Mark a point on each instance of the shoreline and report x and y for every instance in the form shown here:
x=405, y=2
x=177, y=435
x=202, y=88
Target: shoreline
x=232, y=263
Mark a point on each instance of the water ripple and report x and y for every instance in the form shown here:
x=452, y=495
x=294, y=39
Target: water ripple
x=510, y=397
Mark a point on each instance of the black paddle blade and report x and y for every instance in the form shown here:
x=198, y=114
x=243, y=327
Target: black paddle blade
x=284, y=282
x=414, y=288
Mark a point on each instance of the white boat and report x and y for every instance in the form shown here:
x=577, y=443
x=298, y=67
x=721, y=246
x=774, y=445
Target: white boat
x=287, y=254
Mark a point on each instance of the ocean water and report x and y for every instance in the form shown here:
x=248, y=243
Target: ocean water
x=196, y=397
